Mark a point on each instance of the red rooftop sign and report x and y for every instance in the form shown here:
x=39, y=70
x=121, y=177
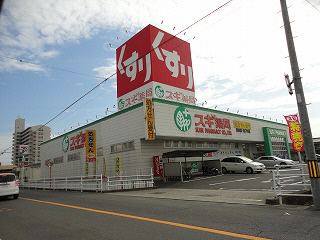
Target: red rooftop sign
x=154, y=63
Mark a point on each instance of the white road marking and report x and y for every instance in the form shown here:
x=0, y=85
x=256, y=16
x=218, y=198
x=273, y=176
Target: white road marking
x=202, y=178
x=288, y=180
x=270, y=180
x=259, y=190
x=243, y=199
x=239, y=180
x=4, y=210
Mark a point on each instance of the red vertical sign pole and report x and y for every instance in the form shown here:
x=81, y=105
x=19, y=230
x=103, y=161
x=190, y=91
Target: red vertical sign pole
x=50, y=177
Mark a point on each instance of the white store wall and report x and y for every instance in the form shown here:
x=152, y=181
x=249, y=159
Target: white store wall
x=130, y=125
x=165, y=125
x=117, y=128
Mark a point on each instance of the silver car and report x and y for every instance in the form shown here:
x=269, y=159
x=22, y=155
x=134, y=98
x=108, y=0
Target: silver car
x=271, y=161
x=240, y=164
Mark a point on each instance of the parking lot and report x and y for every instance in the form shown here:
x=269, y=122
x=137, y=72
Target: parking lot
x=228, y=188
x=237, y=181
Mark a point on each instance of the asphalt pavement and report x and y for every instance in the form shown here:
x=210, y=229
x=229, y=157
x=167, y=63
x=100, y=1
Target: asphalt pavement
x=205, y=207
x=252, y=189
x=39, y=214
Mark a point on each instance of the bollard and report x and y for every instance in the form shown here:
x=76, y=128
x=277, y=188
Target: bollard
x=81, y=183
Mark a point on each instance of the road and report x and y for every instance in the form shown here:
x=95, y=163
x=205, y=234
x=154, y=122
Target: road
x=39, y=214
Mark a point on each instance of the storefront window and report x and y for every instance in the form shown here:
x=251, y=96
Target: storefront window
x=167, y=144
x=125, y=146
x=58, y=160
x=175, y=144
x=213, y=145
x=100, y=151
x=131, y=145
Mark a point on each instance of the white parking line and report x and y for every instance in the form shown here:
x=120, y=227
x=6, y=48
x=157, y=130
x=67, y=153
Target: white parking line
x=201, y=178
x=290, y=169
x=259, y=190
x=239, y=180
x=270, y=180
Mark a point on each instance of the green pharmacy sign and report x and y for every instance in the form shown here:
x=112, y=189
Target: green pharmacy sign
x=65, y=143
x=182, y=118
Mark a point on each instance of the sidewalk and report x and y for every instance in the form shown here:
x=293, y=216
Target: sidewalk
x=220, y=196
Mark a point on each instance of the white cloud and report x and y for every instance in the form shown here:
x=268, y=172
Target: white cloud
x=48, y=54
x=78, y=84
x=315, y=126
x=5, y=141
x=114, y=85
x=239, y=53
x=107, y=71
x=13, y=65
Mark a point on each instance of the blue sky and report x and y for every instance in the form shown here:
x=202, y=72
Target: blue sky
x=239, y=56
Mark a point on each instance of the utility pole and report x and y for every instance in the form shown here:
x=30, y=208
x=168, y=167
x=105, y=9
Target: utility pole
x=302, y=107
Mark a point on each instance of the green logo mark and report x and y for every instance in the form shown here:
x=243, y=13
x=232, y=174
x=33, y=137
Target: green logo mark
x=65, y=144
x=159, y=91
x=182, y=118
x=120, y=104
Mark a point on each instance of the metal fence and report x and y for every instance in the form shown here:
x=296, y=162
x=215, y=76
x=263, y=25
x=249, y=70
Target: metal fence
x=97, y=183
x=295, y=181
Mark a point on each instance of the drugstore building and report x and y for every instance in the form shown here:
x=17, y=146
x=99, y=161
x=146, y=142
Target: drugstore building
x=157, y=115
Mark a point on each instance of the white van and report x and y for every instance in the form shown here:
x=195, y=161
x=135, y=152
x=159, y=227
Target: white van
x=9, y=185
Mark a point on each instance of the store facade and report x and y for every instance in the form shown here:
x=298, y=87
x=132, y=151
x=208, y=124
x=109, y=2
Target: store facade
x=157, y=114
x=124, y=144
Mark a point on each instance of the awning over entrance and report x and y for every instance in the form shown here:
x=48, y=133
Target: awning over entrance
x=187, y=153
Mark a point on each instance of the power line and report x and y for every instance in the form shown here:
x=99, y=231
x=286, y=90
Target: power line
x=83, y=105
x=106, y=79
x=217, y=9
x=175, y=47
x=47, y=66
x=313, y=5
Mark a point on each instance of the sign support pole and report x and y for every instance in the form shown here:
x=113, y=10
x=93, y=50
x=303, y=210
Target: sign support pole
x=299, y=155
x=302, y=107
x=50, y=177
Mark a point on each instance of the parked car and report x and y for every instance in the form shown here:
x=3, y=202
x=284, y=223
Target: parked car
x=9, y=185
x=241, y=164
x=271, y=161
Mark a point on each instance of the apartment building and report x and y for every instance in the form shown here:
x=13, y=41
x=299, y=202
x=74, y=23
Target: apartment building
x=31, y=136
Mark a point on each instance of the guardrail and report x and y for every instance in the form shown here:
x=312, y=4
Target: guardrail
x=280, y=178
x=97, y=183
